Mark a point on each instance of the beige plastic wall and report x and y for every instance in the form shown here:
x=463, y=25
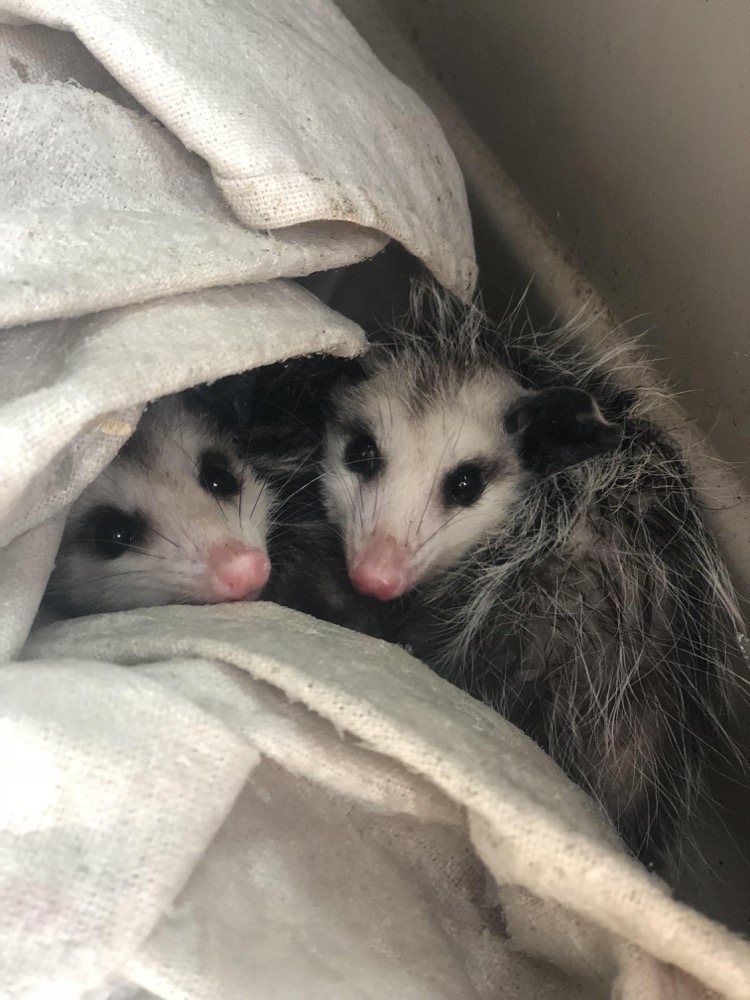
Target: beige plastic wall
x=606, y=148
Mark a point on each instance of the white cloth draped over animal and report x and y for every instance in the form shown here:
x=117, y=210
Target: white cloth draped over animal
x=239, y=800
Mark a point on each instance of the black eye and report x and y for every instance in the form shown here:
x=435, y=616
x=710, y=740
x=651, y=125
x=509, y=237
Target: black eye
x=464, y=486
x=362, y=456
x=215, y=477
x=112, y=532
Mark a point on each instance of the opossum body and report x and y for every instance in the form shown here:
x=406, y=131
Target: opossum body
x=537, y=541
x=177, y=518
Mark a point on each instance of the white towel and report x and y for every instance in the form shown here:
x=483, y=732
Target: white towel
x=353, y=861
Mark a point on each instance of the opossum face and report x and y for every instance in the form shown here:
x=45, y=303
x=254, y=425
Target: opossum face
x=415, y=479
x=175, y=518
x=413, y=487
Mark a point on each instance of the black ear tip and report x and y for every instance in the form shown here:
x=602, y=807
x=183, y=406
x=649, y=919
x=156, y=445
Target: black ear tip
x=553, y=404
x=558, y=428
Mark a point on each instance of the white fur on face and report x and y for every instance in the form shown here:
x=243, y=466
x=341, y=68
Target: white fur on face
x=420, y=446
x=157, y=476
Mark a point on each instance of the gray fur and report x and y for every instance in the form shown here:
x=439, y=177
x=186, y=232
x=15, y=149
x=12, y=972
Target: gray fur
x=595, y=610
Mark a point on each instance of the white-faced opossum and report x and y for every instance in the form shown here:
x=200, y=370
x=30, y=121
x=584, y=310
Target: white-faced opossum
x=536, y=539
x=177, y=517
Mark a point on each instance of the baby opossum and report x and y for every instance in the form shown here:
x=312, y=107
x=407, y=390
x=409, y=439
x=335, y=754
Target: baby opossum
x=177, y=517
x=537, y=541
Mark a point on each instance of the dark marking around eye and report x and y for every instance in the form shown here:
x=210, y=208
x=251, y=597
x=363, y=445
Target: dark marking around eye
x=464, y=485
x=362, y=456
x=112, y=532
x=216, y=477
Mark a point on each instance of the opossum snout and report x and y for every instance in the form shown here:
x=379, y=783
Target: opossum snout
x=383, y=569
x=236, y=572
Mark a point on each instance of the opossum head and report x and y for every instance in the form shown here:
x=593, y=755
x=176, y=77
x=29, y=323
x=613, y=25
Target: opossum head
x=419, y=468
x=177, y=517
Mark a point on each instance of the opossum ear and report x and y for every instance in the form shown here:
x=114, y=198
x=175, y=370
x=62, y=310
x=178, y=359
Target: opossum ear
x=557, y=428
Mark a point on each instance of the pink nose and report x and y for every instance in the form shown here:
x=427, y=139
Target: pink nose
x=382, y=570
x=236, y=573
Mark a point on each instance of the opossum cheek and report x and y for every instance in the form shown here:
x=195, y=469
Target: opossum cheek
x=235, y=573
x=383, y=569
